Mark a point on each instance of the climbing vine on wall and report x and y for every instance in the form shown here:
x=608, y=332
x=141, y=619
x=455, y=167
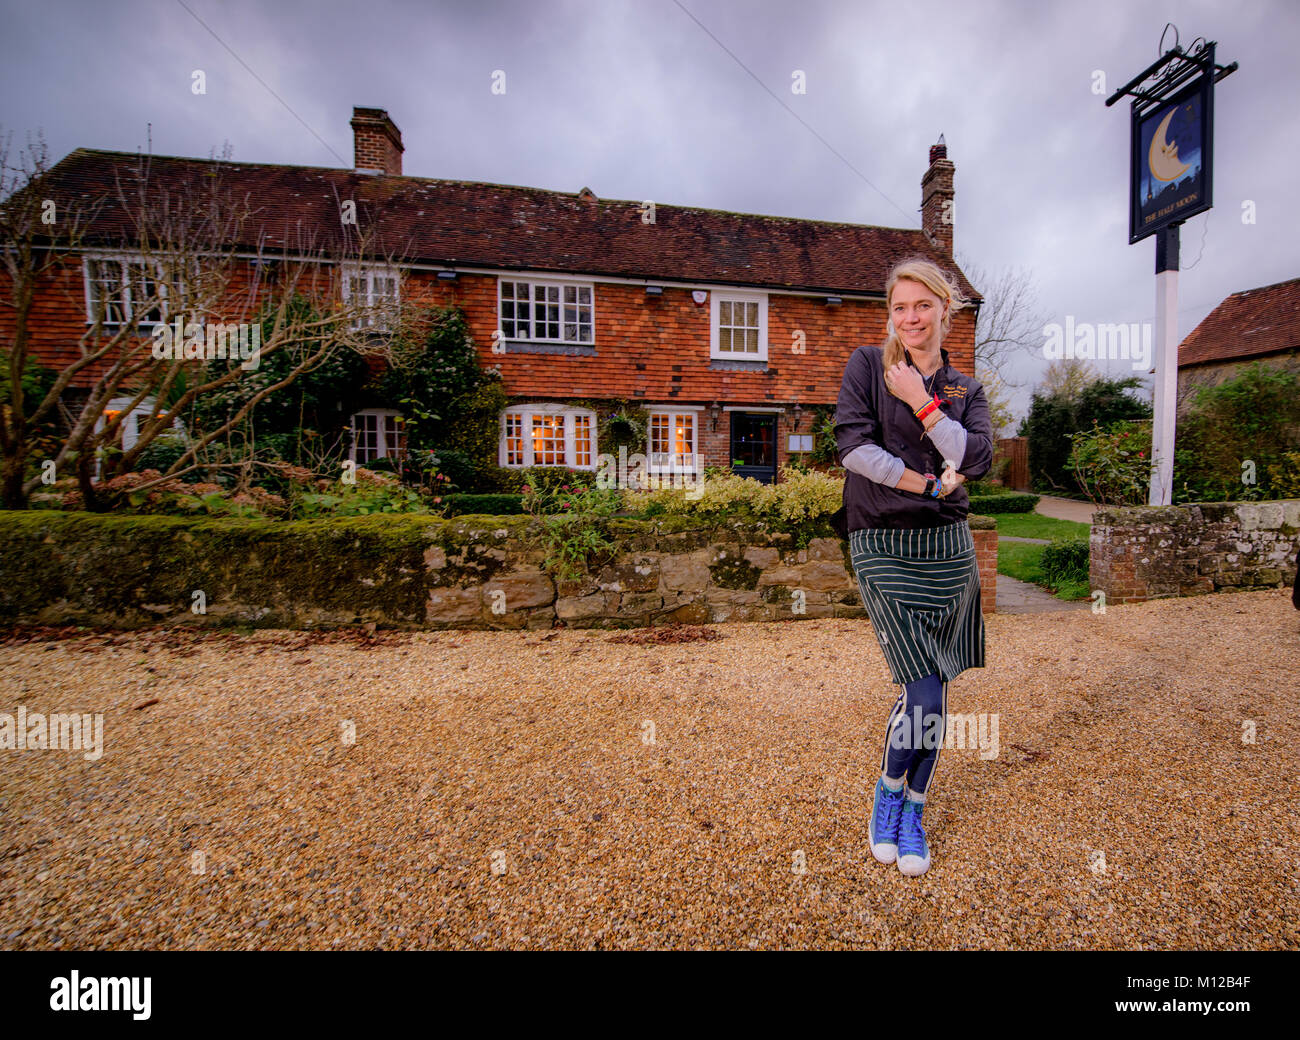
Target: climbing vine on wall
x=620, y=423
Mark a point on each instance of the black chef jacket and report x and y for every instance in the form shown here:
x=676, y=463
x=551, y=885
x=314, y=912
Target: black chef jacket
x=867, y=413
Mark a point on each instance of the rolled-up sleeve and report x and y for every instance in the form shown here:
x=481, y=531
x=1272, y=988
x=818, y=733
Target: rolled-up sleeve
x=978, y=458
x=856, y=422
x=949, y=436
x=874, y=463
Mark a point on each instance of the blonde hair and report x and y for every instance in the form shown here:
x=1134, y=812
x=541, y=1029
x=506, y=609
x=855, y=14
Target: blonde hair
x=933, y=278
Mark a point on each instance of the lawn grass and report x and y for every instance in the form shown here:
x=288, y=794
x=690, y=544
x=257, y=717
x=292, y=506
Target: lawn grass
x=1035, y=525
x=1024, y=561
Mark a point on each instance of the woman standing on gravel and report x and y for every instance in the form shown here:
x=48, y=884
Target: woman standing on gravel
x=904, y=414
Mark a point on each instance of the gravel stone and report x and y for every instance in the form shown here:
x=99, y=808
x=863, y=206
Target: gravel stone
x=518, y=789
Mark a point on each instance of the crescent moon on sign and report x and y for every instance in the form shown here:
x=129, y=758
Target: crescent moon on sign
x=1163, y=157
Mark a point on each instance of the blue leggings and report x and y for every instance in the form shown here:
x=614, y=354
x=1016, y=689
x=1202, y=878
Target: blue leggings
x=914, y=734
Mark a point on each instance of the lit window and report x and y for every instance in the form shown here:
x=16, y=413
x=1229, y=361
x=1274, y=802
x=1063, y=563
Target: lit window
x=556, y=436
x=582, y=441
x=672, y=442
x=514, y=439
x=548, y=440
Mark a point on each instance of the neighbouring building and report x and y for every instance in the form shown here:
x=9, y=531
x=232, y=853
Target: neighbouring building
x=1252, y=325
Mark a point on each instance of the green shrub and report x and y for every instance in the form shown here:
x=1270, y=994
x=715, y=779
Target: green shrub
x=500, y=480
x=461, y=471
x=1284, y=478
x=165, y=449
x=1011, y=502
x=487, y=504
x=1242, y=427
x=371, y=493
x=1065, y=560
x=1112, y=465
x=575, y=526
x=548, y=480
x=1054, y=417
x=824, y=451
x=983, y=489
x=799, y=495
x=319, y=401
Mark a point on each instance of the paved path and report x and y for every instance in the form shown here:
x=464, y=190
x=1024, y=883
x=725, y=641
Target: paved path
x=1022, y=597
x=1065, y=508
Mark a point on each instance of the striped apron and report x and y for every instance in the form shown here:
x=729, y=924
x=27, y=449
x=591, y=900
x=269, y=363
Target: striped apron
x=921, y=588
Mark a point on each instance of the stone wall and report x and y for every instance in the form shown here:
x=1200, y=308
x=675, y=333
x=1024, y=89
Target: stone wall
x=664, y=577
x=420, y=572
x=1151, y=552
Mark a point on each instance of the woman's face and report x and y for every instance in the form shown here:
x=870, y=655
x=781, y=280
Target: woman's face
x=917, y=315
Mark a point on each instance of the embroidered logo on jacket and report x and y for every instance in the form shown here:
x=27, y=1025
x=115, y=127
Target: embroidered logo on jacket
x=954, y=391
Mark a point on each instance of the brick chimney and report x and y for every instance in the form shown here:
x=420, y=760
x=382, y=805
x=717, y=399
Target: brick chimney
x=938, y=217
x=376, y=141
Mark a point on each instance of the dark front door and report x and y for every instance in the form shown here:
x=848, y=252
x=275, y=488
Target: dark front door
x=753, y=445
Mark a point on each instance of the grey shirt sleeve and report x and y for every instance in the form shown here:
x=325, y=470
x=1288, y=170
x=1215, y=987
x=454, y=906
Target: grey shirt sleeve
x=875, y=463
x=949, y=436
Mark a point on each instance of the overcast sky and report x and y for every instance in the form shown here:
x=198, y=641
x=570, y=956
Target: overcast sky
x=666, y=100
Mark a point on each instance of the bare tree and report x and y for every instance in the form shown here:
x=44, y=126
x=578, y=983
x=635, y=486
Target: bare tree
x=1010, y=324
x=162, y=253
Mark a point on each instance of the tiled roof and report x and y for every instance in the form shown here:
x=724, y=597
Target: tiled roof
x=471, y=224
x=1247, y=324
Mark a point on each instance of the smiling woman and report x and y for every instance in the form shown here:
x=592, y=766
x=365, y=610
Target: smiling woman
x=904, y=412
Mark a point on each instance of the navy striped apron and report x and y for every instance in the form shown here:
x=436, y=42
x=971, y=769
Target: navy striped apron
x=921, y=588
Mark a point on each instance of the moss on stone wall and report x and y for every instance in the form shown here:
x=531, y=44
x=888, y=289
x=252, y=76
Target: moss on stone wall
x=132, y=570
x=406, y=571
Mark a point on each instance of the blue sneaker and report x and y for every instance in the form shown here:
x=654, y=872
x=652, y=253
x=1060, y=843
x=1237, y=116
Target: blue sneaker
x=883, y=826
x=913, y=852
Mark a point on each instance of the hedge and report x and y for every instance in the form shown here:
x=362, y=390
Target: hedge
x=125, y=571
x=497, y=504
x=1065, y=559
x=1015, y=502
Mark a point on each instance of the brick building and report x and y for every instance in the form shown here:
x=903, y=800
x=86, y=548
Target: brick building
x=1252, y=325
x=727, y=328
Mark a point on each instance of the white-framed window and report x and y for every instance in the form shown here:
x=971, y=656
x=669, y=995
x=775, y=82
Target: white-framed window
x=546, y=312
x=377, y=288
x=128, y=433
x=738, y=325
x=126, y=288
x=672, y=442
x=548, y=435
x=377, y=433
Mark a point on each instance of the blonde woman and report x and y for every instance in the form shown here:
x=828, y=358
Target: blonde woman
x=910, y=430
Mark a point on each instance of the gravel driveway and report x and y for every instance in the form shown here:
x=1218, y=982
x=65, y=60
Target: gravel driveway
x=538, y=789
